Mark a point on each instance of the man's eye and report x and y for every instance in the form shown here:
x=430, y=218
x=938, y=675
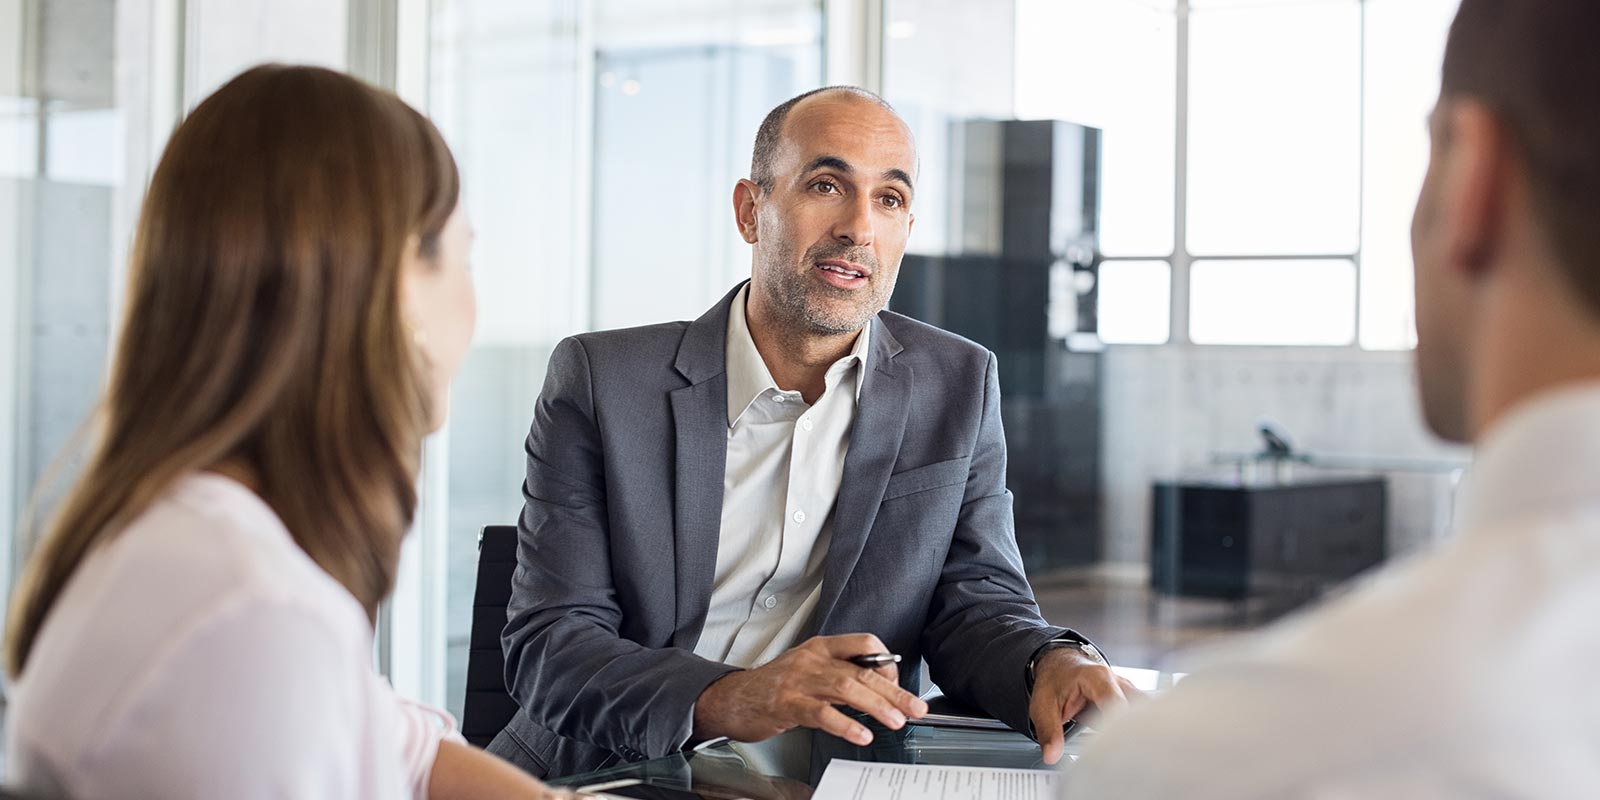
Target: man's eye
x=892, y=201
x=826, y=187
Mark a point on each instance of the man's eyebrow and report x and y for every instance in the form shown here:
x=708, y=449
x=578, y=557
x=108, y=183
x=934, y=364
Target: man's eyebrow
x=899, y=175
x=828, y=162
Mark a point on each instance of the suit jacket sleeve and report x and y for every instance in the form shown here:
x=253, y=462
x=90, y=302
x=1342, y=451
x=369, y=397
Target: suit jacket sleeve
x=984, y=624
x=566, y=663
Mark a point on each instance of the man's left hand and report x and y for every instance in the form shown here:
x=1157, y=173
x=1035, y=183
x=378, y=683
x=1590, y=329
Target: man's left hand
x=1067, y=682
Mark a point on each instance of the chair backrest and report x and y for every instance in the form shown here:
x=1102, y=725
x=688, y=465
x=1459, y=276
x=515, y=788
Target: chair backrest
x=488, y=705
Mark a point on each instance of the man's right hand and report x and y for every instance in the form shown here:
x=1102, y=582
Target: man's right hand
x=800, y=688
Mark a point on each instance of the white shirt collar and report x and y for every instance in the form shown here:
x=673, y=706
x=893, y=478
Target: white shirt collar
x=1541, y=456
x=748, y=376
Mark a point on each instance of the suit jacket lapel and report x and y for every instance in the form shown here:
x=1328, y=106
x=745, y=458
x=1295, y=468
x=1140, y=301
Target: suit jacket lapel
x=700, y=428
x=874, y=446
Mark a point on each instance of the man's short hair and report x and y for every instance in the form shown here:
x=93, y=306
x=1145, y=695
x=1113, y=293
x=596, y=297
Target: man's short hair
x=1537, y=64
x=770, y=133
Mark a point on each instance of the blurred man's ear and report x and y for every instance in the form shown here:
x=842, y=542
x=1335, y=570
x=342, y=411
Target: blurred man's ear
x=1473, y=183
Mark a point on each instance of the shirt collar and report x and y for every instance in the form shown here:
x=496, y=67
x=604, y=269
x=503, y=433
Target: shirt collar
x=1541, y=456
x=748, y=376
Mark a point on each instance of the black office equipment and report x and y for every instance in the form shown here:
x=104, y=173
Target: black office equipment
x=1227, y=539
x=488, y=704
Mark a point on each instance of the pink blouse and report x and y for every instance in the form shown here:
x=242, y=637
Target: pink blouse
x=201, y=653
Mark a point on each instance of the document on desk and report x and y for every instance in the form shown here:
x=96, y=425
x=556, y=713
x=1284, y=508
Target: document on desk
x=857, y=780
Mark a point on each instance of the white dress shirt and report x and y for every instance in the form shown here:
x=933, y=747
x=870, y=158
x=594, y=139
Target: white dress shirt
x=1465, y=672
x=201, y=653
x=785, y=461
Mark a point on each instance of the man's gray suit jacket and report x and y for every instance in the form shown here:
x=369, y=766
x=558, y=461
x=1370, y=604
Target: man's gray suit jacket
x=618, y=537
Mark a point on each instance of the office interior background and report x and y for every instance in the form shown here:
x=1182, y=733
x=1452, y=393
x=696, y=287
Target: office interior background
x=1240, y=193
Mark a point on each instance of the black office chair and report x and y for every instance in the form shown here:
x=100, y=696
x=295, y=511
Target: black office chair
x=488, y=705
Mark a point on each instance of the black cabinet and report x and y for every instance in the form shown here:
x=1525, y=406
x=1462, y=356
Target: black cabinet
x=1212, y=539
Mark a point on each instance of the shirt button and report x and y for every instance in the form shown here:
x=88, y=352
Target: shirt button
x=806, y=423
x=799, y=516
x=770, y=602
x=778, y=398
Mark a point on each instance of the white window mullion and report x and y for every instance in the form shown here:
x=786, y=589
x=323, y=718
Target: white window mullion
x=852, y=43
x=1361, y=176
x=1179, y=332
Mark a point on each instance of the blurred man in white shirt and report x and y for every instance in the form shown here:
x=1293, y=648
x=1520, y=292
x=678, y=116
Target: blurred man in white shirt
x=1465, y=672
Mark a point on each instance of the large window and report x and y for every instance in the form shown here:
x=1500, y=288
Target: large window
x=1292, y=133
x=1274, y=124
x=1110, y=64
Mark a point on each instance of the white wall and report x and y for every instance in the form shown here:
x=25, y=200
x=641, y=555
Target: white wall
x=1168, y=410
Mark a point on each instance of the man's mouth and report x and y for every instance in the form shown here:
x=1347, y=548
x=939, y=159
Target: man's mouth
x=843, y=274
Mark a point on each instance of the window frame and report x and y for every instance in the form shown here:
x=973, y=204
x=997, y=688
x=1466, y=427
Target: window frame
x=1180, y=260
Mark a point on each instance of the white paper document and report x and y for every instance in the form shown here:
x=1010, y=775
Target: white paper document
x=857, y=780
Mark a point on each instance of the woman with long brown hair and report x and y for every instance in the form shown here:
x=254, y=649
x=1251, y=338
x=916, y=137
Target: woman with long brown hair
x=197, y=619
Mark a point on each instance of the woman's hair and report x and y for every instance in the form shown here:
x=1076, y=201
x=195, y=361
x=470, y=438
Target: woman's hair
x=264, y=328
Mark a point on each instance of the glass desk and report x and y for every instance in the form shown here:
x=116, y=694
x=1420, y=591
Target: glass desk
x=720, y=771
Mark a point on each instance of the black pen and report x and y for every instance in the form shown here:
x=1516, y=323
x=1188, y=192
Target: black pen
x=872, y=660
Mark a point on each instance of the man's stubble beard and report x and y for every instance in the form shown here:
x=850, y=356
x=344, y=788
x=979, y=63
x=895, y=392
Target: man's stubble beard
x=790, y=294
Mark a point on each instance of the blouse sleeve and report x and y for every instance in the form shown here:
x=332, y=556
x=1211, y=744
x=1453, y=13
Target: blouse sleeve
x=420, y=728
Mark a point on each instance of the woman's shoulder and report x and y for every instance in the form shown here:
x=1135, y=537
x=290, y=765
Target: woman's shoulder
x=218, y=538
x=201, y=602
x=204, y=543
x=207, y=547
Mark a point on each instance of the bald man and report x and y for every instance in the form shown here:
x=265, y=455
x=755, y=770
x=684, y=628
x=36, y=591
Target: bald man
x=720, y=514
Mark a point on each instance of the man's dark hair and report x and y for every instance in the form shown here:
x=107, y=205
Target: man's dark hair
x=1537, y=64
x=771, y=130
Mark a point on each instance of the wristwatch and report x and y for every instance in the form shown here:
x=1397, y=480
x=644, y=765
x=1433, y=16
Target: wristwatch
x=1083, y=646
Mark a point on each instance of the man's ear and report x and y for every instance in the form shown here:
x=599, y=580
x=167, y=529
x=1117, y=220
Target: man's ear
x=745, y=194
x=1474, y=184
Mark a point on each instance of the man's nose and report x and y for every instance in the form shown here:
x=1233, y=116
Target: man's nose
x=854, y=225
